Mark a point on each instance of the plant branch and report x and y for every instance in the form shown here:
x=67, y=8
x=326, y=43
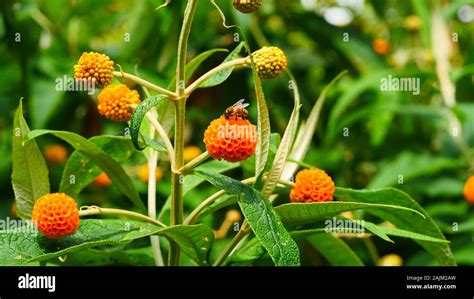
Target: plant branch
x=94, y=210
x=193, y=163
x=243, y=232
x=170, y=95
x=233, y=63
x=164, y=137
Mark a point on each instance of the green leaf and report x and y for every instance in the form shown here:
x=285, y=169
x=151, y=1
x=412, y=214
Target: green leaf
x=261, y=217
x=30, y=174
x=303, y=213
x=115, y=256
x=250, y=251
x=383, y=232
x=336, y=251
x=306, y=132
x=263, y=126
x=405, y=220
x=221, y=76
x=194, y=64
x=84, y=171
x=411, y=165
x=283, y=151
x=90, y=150
x=20, y=246
x=138, y=116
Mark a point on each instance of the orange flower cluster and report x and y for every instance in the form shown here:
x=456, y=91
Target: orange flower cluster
x=247, y=6
x=469, y=190
x=115, y=102
x=312, y=185
x=96, y=67
x=56, y=215
x=233, y=139
x=270, y=62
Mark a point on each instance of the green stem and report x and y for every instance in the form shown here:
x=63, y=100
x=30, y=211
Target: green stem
x=170, y=95
x=194, y=162
x=94, y=210
x=243, y=232
x=176, y=209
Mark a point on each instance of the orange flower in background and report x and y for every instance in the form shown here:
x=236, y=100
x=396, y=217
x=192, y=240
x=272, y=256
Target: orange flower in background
x=381, y=46
x=95, y=67
x=231, y=137
x=390, y=260
x=13, y=210
x=270, y=62
x=144, y=173
x=116, y=100
x=312, y=185
x=55, y=154
x=469, y=190
x=102, y=181
x=190, y=152
x=247, y=6
x=56, y=215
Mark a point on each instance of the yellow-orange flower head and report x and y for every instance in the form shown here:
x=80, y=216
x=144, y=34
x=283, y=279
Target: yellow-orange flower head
x=95, y=67
x=469, y=190
x=231, y=137
x=312, y=185
x=247, y=6
x=56, y=215
x=270, y=62
x=115, y=102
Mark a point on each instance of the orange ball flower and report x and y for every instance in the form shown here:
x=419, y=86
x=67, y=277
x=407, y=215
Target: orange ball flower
x=102, y=181
x=247, y=6
x=312, y=185
x=270, y=62
x=55, y=154
x=231, y=137
x=144, y=173
x=469, y=190
x=95, y=67
x=115, y=102
x=381, y=46
x=56, y=215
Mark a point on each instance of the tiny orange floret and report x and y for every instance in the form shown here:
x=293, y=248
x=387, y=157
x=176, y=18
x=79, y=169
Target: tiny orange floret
x=232, y=139
x=312, y=185
x=116, y=102
x=56, y=215
x=469, y=190
x=95, y=67
x=381, y=46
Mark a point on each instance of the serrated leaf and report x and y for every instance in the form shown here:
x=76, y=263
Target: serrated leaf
x=30, y=174
x=114, y=171
x=283, y=151
x=302, y=213
x=25, y=246
x=85, y=171
x=221, y=76
x=138, y=116
x=404, y=220
x=261, y=217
